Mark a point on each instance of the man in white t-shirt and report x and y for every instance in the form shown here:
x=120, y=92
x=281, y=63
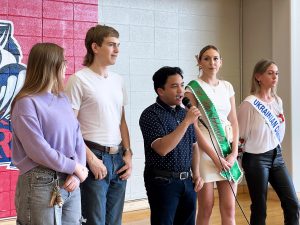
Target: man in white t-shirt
x=98, y=97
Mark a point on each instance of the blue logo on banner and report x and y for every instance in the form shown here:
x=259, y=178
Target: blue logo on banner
x=12, y=76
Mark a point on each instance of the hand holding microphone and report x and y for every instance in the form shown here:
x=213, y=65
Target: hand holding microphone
x=187, y=103
x=192, y=115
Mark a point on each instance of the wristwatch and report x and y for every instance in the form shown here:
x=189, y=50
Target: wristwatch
x=127, y=150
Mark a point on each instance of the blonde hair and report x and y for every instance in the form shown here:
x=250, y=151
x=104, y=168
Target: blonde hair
x=45, y=64
x=260, y=67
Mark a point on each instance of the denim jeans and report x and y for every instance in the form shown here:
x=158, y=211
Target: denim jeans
x=270, y=167
x=103, y=200
x=172, y=201
x=32, y=199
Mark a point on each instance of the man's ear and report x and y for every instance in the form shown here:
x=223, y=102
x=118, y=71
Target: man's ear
x=160, y=91
x=94, y=47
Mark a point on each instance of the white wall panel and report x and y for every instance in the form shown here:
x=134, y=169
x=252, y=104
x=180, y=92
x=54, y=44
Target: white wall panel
x=156, y=33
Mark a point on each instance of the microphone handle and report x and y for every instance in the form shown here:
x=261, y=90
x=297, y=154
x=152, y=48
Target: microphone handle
x=202, y=122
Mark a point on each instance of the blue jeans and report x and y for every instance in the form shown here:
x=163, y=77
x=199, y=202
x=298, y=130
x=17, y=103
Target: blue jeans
x=103, y=200
x=172, y=201
x=270, y=167
x=32, y=199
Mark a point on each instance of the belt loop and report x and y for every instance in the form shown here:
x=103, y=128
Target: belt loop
x=106, y=149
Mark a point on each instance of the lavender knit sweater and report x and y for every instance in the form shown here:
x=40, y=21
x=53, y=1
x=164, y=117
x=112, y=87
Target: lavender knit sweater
x=46, y=132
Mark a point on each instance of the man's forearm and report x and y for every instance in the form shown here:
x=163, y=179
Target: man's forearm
x=196, y=160
x=125, y=134
x=167, y=143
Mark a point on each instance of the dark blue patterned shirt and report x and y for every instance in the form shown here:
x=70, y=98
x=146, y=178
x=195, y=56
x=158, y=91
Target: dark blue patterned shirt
x=157, y=121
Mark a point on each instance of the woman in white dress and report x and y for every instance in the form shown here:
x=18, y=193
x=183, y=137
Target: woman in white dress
x=217, y=94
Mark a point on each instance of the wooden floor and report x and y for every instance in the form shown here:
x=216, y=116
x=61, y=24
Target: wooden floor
x=141, y=217
x=274, y=212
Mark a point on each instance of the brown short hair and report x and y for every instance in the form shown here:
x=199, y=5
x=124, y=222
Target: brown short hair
x=96, y=35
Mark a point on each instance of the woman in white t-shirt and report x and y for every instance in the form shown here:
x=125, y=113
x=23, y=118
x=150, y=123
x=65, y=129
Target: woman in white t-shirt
x=221, y=95
x=262, y=128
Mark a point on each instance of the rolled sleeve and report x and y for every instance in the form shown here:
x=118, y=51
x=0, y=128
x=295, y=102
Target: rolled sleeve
x=151, y=127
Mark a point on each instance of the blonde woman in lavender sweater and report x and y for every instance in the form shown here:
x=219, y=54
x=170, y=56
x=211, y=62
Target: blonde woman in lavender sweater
x=48, y=148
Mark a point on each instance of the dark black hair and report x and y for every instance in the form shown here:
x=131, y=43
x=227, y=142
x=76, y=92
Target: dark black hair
x=160, y=76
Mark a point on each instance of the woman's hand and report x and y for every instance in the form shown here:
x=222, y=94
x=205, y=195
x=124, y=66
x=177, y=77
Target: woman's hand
x=72, y=182
x=81, y=172
x=223, y=165
x=231, y=159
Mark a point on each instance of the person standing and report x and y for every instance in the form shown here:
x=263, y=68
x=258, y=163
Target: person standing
x=215, y=99
x=98, y=97
x=171, y=172
x=47, y=145
x=262, y=127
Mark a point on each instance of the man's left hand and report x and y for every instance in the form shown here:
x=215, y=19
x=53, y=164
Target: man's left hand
x=126, y=170
x=198, y=183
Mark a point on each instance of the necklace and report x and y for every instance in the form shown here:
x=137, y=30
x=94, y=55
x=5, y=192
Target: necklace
x=104, y=75
x=213, y=87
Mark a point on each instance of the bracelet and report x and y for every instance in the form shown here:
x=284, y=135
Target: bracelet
x=128, y=150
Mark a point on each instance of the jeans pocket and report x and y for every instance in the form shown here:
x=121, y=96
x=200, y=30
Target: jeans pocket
x=161, y=181
x=41, y=179
x=118, y=161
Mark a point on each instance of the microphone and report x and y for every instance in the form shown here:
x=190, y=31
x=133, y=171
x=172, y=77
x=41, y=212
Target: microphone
x=187, y=103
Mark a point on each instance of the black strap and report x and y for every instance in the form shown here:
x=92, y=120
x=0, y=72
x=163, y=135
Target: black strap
x=96, y=146
x=170, y=174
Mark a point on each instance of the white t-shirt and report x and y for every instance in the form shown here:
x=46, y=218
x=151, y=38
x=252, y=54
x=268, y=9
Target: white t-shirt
x=220, y=96
x=99, y=102
x=255, y=130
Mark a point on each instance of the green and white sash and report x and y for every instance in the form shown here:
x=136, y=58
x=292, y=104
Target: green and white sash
x=267, y=114
x=235, y=173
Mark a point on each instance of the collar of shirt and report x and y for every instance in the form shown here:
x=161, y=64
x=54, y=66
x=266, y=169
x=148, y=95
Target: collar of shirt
x=166, y=106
